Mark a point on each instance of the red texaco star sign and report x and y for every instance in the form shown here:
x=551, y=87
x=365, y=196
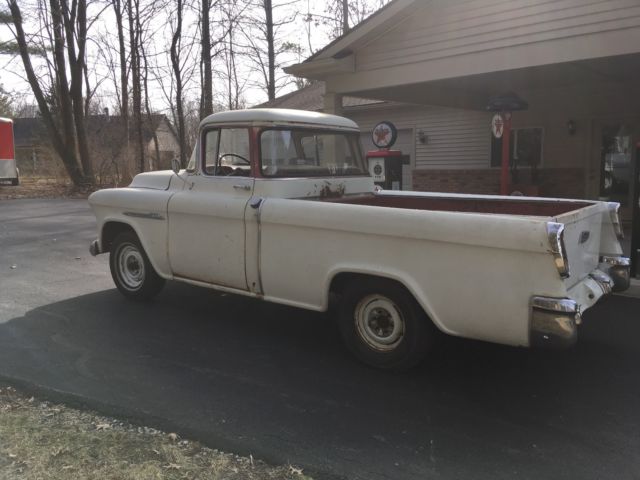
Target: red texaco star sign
x=497, y=125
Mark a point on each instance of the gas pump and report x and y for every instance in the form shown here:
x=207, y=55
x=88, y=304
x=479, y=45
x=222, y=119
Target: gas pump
x=385, y=165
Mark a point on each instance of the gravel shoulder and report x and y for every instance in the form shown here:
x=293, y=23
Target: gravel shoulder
x=42, y=440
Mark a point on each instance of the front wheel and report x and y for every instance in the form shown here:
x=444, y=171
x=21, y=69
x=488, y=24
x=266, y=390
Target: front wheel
x=383, y=325
x=131, y=269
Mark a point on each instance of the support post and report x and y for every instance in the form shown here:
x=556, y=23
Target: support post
x=333, y=103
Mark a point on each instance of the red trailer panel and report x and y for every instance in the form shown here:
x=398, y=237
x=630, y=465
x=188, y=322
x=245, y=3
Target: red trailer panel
x=8, y=168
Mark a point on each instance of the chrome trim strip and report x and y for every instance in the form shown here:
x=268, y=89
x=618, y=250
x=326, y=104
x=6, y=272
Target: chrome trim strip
x=555, y=232
x=260, y=202
x=616, y=261
x=614, y=208
x=604, y=280
x=150, y=215
x=563, y=305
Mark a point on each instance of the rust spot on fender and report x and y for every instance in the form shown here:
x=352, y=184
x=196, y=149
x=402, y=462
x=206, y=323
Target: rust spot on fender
x=332, y=191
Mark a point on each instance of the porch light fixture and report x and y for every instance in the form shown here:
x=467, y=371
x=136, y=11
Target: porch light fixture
x=571, y=127
x=422, y=137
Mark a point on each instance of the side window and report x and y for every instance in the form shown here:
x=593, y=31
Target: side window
x=227, y=152
x=233, y=154
x=191, y=166
x=211, y=151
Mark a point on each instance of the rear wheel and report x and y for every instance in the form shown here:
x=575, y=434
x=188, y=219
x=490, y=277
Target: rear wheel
x=383, y=325
x=131, y=269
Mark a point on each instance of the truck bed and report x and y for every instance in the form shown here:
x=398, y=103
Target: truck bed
x=505, y=206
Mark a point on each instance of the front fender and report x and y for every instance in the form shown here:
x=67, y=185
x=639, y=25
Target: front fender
x=144, y=211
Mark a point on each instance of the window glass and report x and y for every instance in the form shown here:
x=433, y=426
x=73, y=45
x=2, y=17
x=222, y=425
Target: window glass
x=309, y=153
x=211, y=151
x=191, y=166
x=525, y=147
x=615, y=164
x=232, y=154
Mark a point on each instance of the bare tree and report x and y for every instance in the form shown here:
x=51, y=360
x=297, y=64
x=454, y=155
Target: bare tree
x=7, y=106
x=264, y=48
x=66, y=28
x=135, y=38
x=175, y=65
x=206, y=103
x=119, y=12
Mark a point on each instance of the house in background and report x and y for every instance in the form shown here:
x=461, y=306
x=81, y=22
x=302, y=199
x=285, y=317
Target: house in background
x=435, y=66
x=114, y=160
x=448, y=129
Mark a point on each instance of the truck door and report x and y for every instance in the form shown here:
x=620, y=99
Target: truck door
x=206, y=218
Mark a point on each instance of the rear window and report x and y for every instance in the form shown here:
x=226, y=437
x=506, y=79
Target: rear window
x=310, y=153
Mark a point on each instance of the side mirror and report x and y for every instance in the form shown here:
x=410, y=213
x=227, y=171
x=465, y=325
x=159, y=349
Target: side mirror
x=175, y=165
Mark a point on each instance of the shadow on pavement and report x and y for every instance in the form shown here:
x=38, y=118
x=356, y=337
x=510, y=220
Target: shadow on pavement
x=274, y=381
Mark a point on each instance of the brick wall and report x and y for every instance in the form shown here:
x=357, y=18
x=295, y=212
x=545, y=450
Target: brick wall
x=485, y=182
x=553, y=182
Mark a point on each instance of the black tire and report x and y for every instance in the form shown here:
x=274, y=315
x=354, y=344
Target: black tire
x=131, y=269
x=404, y=332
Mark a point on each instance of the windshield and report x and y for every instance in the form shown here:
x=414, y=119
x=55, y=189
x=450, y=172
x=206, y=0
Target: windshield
x=310, y=153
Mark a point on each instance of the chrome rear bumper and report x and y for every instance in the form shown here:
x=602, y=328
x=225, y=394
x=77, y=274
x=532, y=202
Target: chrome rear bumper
x=554, y=322
x=619, y=270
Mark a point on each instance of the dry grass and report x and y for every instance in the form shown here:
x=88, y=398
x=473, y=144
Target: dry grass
x=42, y=190
x=39, y=440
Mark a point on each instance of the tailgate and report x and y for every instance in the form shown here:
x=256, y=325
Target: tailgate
x=582, y=236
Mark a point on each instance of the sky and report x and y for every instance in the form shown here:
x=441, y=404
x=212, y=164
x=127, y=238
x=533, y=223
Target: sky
x=296, y=31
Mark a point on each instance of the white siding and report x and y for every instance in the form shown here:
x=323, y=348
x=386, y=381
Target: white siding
x=461, y=27
x=456, y=138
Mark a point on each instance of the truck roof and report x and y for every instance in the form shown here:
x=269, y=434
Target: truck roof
x=279, y=116
x=6, y=120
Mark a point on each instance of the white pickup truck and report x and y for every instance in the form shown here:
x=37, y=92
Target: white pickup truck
x=279, y=205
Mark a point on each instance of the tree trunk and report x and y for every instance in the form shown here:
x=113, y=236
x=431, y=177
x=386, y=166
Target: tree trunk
x=78, y=15
x=124, y=80
x=135, y=35
x=175, y=63
x=345, y=16
x=271, y=84
x=147, y=107
x=207, y=74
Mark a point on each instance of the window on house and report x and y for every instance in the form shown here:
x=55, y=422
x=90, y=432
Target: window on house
x=525, y=148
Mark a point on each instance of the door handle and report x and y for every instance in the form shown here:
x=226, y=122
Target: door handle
x=242, y=187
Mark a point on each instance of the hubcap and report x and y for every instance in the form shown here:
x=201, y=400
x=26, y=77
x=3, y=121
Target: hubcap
x=379, y=322
x=130, y=267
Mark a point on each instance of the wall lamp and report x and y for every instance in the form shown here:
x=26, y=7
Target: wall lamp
x=422, y=137
x=571, y=127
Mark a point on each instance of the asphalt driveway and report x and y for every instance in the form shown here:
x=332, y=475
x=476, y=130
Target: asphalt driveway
x=273, y=381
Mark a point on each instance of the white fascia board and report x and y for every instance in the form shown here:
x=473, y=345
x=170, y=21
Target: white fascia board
x=323, y=67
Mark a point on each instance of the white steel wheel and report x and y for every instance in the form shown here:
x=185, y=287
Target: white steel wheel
x=130, y=266
x=131, y=270
x=383, y=325
x=379, y=322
